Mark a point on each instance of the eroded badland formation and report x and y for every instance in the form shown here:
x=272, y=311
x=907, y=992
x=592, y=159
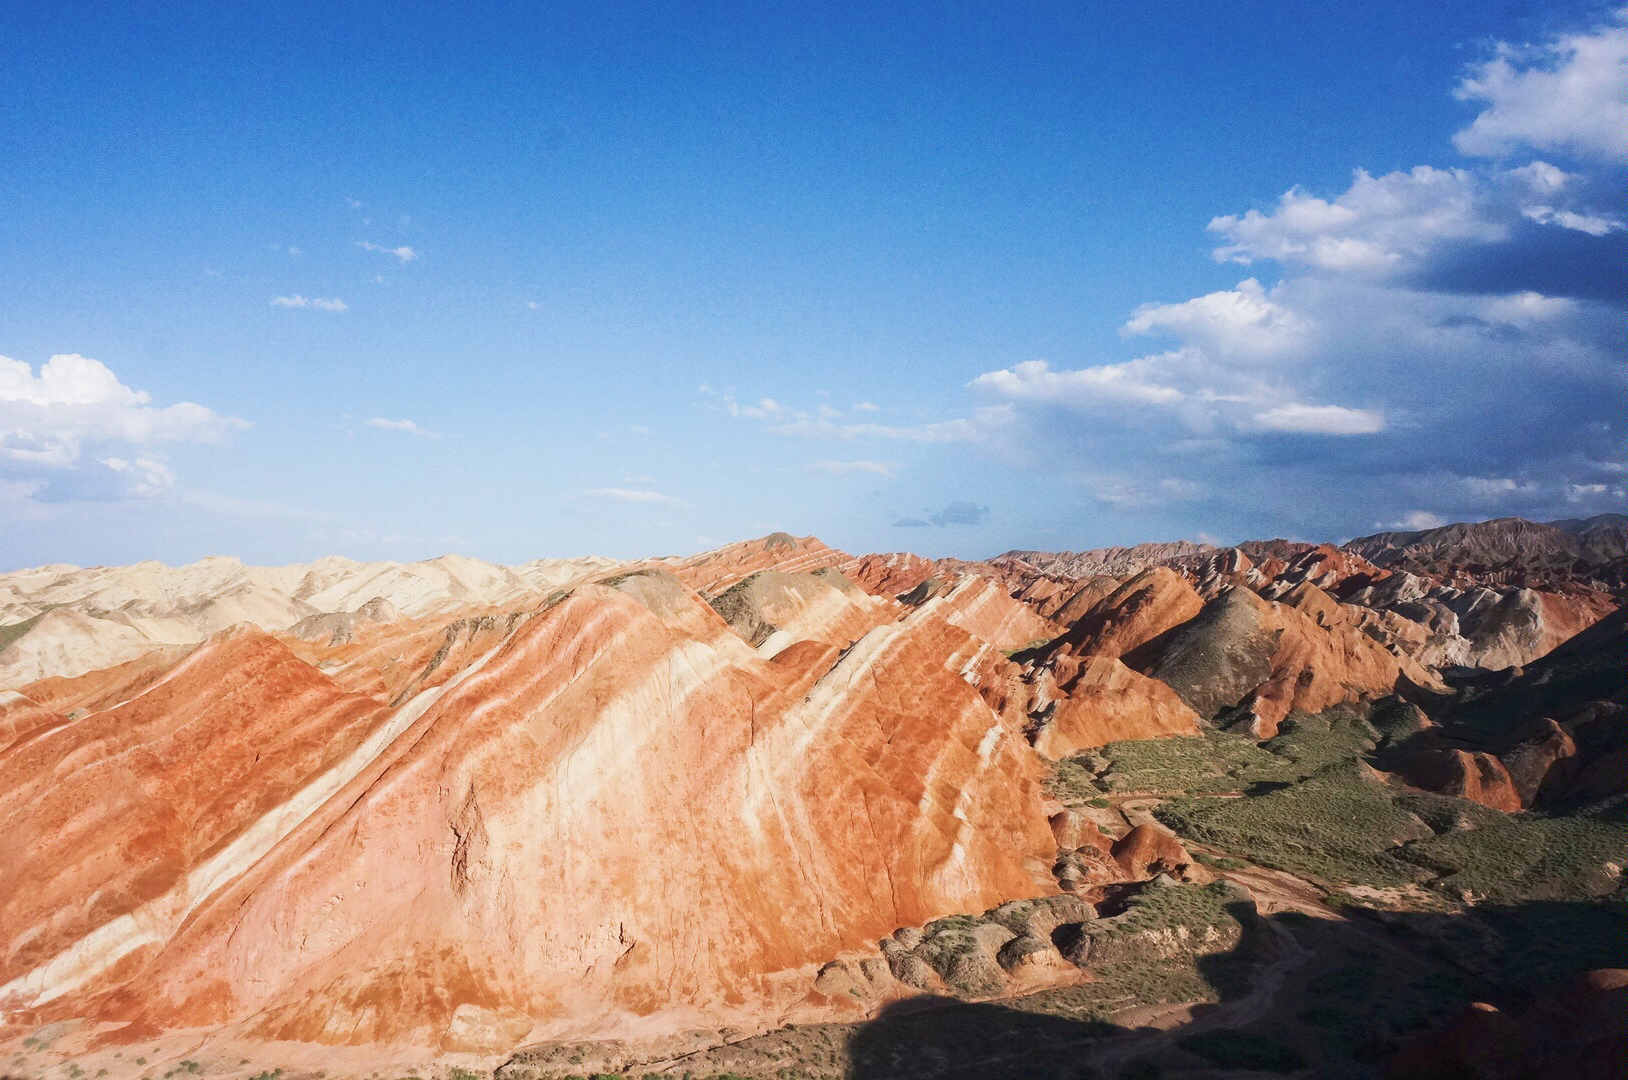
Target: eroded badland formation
x=777, y=811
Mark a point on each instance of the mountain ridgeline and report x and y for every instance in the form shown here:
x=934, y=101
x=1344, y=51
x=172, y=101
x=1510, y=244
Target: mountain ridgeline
x=778, y=810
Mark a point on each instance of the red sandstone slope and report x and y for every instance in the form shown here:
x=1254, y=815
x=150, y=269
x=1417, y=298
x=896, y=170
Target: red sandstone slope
x=657, y=801
x=619, y=819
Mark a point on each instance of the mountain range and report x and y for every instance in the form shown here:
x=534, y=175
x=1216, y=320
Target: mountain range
x=659, y=814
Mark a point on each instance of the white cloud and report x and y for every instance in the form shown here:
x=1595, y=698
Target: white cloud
x=1540, y=177
x=854, y=468
x=1140, y=494
x=1201, y=392
x=1497, y=487
x=146, y=476
x=1568, y=94
x=866, y=406
x=1378, y=225
x=402, y=425
x=47, y=419
x=1414, y=521
x=938, y=432
x=320, y=303
x=1593, y=224
x=1240, y=321
x=765, y=409
x=404, y=253
x=74, y=399
x=1129, y=383
x=631, y=495
x=1321, y=420
x=1526, y=308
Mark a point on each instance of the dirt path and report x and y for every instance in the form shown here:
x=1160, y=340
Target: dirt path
x=1184, y=1020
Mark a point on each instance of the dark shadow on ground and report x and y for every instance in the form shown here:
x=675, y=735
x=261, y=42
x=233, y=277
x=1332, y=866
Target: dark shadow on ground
x=1345, y=994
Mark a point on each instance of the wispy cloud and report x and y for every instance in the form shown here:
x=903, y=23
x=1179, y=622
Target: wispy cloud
x=1414, y=521
x=632, y=495
x=402, y=425
x=854, y=468
x=404, y=253
x=960, y=512
x=321, y=303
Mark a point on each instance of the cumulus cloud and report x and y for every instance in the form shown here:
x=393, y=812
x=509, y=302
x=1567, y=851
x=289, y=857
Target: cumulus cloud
x=1437, y=337
x=1200, y=390
x=633, y=495
x=295, y=300
x=853, y=468
x=1378, y=225
x=407, y=426
x=49, y=418
x=1239, y=321
x=1568, y=94
x=1443, y=336
x=404, y=253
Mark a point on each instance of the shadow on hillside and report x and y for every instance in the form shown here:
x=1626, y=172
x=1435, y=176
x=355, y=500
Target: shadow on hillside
x=1334, y=996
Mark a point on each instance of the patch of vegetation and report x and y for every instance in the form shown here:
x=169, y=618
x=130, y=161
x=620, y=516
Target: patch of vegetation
x=1222, y=762
x=12, y=631
x=617, y=580
x=1220, y=862
x=1341, y=824
x=1306, y=744
x=1448, y=813
x=1213, y=763
x=738, y=606
x=1167, y=907
x=1071, y=783
x=1529, y=857
x=1244, y=1050
x=1170, y=944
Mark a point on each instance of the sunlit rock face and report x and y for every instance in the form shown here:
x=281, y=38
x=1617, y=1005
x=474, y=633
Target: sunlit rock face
x=611, y=815
x=455, y=807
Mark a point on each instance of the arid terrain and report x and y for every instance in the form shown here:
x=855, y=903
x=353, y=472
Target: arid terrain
x=778, y=810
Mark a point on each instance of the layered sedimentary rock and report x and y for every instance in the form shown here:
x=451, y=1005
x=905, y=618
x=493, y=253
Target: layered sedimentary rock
x=457, y=806
x=619, y=817
x=1147, y=605
x=1249, y=662
x=1100, y=700
x=64, y=620
x=1510, y=550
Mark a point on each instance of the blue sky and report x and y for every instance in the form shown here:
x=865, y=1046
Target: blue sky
x=540, y=280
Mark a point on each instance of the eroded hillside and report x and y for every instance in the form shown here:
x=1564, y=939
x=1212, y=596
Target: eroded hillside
x=746, y=810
